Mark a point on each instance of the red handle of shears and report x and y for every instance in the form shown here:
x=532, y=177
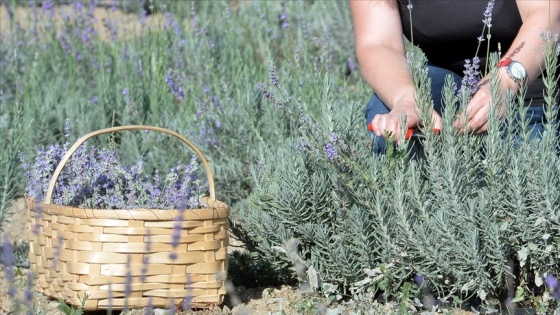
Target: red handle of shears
x=411, y=132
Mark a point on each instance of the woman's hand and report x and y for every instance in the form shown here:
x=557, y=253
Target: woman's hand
x=478, y=110
x=538, y=16
x=389, y=124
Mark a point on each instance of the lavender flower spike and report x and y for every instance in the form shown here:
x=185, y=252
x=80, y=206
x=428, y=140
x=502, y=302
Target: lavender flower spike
x=472, y=75
x=330, y=151
x=419, y=279
x=551, y=282
x=488, y=14
x=272, y=74
x=175, y=88
x=554, y=285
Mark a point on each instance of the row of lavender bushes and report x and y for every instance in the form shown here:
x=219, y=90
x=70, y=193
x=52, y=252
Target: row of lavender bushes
x=471, y=221
x=270, y=93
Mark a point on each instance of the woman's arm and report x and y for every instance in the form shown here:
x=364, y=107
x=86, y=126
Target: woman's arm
x=538, y=16
x=382, y=58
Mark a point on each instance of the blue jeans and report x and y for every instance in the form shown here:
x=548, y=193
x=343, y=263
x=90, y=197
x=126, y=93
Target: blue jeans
x=375, y=106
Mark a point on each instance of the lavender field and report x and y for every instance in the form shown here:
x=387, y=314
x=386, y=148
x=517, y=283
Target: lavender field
x=270, y=92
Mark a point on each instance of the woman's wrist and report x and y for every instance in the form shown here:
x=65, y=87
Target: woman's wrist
x=507, y=82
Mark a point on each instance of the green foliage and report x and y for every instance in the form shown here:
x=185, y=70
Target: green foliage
x=216, y=61
x=70, y=310
x=292, y=157
x=474, y=214
x=11, y=133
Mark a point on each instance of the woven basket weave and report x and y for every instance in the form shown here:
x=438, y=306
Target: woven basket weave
x=76, y=251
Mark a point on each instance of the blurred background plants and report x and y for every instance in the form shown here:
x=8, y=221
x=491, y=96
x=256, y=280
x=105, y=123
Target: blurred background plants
x=270, y=92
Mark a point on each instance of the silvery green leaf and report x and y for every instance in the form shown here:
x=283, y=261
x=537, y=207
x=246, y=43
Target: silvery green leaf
x=482, y=295
x=313, y=278
x=532, y=246
x=362, y=282
x=504, y=226
x=278, y=249
x=372, y=272
x=522, y=256
x=546, y=236
x=335, y=311
x=538, y=279
x=329, y=288
x=468, y=286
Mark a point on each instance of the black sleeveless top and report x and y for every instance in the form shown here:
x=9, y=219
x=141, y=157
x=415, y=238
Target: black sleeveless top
x=447, y=31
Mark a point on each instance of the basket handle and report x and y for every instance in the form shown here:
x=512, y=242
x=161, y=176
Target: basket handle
x=82, y=139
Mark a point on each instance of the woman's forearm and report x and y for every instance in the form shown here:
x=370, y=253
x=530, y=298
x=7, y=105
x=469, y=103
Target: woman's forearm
x=380, y=50
x=539, y=17
x=385, y=70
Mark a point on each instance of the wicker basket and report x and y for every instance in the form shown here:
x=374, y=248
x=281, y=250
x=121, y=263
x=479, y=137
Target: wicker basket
x=76, y=251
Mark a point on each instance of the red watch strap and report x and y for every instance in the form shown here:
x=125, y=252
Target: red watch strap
x=504, y=62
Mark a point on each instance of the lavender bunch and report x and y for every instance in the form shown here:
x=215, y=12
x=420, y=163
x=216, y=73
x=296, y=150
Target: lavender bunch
x=96, y=178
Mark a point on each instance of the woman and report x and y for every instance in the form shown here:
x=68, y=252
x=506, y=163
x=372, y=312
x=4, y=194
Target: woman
x=449, y=32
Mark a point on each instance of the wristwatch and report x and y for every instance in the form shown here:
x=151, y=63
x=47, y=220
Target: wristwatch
x=514, y=69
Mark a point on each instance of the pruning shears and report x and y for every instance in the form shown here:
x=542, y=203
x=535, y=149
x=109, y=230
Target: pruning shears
x=412, y=133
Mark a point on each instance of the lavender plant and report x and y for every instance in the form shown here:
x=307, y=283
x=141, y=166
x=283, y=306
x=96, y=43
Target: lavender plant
x=11, y=131
x=476, y=213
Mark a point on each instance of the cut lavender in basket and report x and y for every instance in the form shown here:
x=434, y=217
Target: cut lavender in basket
x=96, y=178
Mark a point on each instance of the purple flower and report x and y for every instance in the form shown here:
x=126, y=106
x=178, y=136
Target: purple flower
x=171, y=22
x=48, y=8
x=272, y=74
x=95, y=178
x=177, y=230
x=553, y=285
x=7, y=259
x=551, y=282
x=128, y=278
x=175, y=88
x=330, y=151
x=351, y=65
x=471, y=75
x=488, y=14
x=284, y=19
x=418, y=279
x=57, y=248
x=9, y=10
x=173, y=256
x=144, y=17
x=334, y=137
x=7, y=253
x=28, y=292
x=188, y=298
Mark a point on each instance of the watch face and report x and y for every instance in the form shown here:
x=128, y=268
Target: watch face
x=517, y=70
